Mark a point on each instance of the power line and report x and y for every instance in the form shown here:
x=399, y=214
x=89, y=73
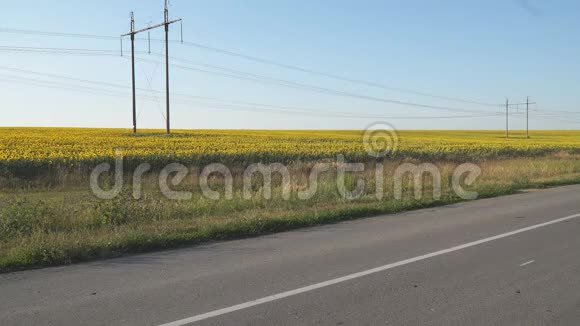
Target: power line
x=242, y=75
x=55, y=49
x=58, y=34
x=561, y=119
x=336, y=77
x=556, y=114
x=60, y=52
x=560, y=115
x=340, y=115
x=560, y=111
x=53, y=85
x=263, y=61
x=543, y=116
x=318, y=89
x=274, y=109
x=238, y=74
x=244, y=107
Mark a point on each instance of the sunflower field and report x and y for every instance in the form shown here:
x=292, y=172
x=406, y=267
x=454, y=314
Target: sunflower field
x=26, y=149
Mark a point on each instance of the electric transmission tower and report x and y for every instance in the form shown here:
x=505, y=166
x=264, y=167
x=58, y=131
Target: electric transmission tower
x=527, y=104
x=166, y=22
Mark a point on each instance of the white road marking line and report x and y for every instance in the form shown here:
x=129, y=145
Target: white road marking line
x=342, y=279
x=527, y=263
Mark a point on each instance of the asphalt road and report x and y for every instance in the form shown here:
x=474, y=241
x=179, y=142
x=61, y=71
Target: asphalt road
x=512, y=260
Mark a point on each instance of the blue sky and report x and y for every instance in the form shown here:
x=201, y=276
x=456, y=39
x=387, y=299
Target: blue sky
x=477, y=50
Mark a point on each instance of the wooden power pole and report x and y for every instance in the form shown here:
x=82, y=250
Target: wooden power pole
x=507, y=125
x=527, y=117
x=166, y=22
x=133, y=73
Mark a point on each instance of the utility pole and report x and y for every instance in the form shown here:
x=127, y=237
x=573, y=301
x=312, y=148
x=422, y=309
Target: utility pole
x=166, y=20
x=132, y=33
x=527, y=117
x=507, y=105
x=133, y=73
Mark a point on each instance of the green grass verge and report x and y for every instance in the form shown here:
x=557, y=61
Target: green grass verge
x=127, y=239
